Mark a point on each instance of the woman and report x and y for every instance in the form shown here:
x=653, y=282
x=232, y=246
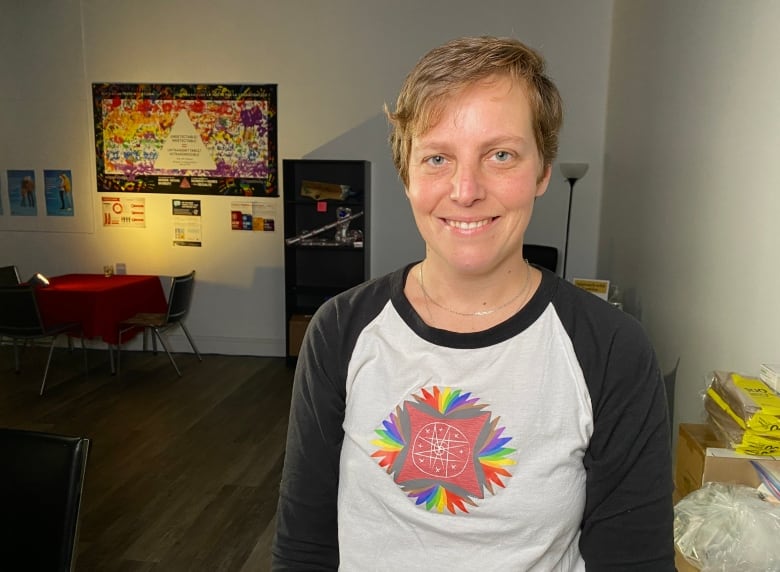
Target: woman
x=471, y=411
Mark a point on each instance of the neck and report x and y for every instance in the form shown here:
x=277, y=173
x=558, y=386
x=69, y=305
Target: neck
x=510, y=292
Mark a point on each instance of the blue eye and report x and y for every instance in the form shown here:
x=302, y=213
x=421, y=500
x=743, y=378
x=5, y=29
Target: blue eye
x=502, y=155
x=435, y=160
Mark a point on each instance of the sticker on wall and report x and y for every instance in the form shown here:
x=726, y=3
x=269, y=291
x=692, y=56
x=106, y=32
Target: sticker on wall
x=598, y=287
x=58, y=192
x=257, y=216
x=124, y=212
x=187, y=228
x=21, y=193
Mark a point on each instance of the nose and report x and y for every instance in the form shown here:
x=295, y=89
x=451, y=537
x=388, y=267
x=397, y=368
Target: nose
x=467, y=185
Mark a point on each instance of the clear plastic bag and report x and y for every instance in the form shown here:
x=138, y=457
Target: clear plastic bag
x=726, y=528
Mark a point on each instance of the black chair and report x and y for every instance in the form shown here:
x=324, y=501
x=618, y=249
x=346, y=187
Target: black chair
x=179, y=300
x=9, y=276
x=541, y=255
x=41, y=483
x=20, y=320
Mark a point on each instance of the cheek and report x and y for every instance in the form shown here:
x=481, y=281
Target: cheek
x=516, y=192
x=425, y=192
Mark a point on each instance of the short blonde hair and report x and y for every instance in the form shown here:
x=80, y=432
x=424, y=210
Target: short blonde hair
x=449, y=68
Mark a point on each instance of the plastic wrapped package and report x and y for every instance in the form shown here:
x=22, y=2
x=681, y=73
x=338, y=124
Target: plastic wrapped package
x=748, y=400
x=737, y=437
x=745, y=412
x=725, y=528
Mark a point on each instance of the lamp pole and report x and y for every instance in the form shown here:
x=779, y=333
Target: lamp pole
x=568, y=224
x=572, y=172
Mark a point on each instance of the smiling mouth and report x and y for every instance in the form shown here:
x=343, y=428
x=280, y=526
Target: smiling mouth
x=468, y=225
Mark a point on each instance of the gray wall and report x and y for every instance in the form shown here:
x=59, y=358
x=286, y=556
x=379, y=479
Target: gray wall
x=336, y=63
x=691, y=196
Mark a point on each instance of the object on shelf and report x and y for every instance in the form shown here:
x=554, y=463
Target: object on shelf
x=309, y=233
x=322, y=191
x=342, y=215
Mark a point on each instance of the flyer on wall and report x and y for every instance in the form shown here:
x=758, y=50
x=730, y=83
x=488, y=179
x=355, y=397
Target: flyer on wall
x=58, y=192
x=124, y=212
x=257, y=216
x=187, y=227
x=21, y=193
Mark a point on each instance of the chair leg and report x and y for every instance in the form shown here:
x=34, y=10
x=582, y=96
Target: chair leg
x=167, y=349
x=86, y=363
x=48, y=361
x=16, y=357
x=189, y=339
x=118, y=352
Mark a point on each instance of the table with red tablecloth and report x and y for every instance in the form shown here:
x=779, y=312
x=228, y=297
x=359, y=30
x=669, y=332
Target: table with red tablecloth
x=99, y=303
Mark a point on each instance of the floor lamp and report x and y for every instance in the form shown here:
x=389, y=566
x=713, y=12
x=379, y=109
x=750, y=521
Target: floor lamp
x=572, y=172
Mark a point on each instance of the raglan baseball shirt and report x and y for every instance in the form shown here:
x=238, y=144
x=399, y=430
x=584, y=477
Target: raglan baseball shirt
x=541, y=444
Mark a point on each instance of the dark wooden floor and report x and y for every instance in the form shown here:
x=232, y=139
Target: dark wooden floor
x=183, y=473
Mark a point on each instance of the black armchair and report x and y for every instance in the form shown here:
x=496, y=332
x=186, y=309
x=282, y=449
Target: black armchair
x=41, y=482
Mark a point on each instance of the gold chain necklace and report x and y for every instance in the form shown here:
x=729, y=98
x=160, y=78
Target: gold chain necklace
x=480, y=312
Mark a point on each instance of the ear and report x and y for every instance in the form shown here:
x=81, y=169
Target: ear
x=541, y=186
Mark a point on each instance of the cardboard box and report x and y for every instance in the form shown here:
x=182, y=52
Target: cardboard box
x=699, y=462
x=297, y=325
x=682, y=564
x=728, y=466
x=702, y=458
x=692, y=444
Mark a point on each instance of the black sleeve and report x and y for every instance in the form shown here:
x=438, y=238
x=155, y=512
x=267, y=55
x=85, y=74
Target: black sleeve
x=307, y=516
x=306, y=522
x=628, y=518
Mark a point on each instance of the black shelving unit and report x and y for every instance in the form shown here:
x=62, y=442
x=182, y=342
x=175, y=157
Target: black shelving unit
x=319, y=266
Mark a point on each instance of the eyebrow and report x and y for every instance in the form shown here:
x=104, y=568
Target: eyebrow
x=421, y=145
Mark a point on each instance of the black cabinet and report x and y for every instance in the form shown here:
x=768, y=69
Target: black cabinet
x=322, y=256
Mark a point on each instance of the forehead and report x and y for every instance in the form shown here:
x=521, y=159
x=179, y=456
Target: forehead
x=502, y=97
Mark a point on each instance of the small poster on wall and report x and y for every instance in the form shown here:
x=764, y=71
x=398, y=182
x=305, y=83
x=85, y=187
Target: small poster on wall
x=58, y=192
x=21, y=193
x=124, y=212
x=257, y=216
x=187, y=228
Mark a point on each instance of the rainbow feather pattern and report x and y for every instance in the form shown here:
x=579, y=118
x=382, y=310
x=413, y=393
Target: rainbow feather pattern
x=487, y=466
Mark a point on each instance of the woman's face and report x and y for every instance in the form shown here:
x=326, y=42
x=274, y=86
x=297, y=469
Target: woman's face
x=473, y=178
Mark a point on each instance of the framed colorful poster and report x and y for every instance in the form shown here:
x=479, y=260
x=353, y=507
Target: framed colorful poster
x=186, y=139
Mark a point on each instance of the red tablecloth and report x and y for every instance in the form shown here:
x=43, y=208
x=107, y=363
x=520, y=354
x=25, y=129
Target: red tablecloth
x=99, y=303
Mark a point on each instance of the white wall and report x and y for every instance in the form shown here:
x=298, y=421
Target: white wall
x=335, y=63
x=691, y=196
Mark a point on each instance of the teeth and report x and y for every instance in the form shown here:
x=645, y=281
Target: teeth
x=463, y=225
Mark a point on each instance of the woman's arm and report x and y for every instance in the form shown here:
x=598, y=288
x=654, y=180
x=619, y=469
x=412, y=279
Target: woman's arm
x=306, y=522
